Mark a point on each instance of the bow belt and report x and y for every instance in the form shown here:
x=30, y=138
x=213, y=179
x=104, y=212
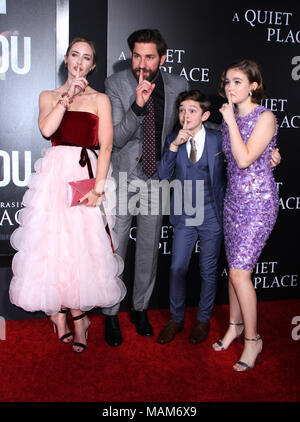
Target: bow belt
x=84, y=156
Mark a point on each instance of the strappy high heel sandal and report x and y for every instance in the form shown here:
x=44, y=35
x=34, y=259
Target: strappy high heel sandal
x=258, y=357
x=81, y=346
x=55, y=329
x=219, y=342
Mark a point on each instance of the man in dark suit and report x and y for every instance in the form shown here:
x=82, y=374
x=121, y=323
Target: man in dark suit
x=144, y=113
x=195, y=155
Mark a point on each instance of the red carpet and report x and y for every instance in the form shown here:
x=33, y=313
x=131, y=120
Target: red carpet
x=35, y=367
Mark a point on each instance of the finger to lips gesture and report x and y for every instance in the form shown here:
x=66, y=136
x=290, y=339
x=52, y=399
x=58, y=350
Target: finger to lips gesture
x=143, y=90
x=227, y=110
x=78, y=84
x=183, y=135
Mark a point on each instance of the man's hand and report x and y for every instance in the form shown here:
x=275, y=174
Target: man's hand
x=143, y=90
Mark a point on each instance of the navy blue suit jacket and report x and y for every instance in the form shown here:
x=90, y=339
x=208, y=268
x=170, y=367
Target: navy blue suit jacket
x=174, y=165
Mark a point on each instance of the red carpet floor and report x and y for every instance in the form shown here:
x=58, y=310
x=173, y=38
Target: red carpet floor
x=35, y=367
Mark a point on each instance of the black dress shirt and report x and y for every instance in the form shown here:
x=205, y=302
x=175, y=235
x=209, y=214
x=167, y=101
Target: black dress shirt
x=159, y=105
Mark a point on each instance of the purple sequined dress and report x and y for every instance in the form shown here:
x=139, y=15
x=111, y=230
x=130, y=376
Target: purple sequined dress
x=251, y=200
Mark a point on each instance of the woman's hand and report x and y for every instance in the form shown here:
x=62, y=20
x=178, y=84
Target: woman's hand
x=93, y=199
x=78, y=84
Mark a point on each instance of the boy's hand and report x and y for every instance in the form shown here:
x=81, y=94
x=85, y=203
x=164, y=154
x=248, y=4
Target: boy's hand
x=183, y=135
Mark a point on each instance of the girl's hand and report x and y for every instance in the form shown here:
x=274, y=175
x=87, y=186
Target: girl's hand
x=227, y=111
x=275, y=157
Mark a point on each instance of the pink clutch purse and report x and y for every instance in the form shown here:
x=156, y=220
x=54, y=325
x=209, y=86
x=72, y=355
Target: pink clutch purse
x=78, y=189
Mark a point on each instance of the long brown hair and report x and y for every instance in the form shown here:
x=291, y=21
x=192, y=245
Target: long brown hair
x=89, y=42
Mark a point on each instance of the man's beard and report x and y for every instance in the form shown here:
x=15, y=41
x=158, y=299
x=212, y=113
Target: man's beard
x=151, y=75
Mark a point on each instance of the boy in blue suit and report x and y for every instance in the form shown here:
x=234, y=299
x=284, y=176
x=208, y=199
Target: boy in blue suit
x=201, y=171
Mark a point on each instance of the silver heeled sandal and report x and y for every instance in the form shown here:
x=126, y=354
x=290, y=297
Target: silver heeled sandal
x=219, y=342
x=257, y=359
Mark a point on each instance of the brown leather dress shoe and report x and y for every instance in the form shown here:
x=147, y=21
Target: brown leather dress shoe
x=169, y=332
x=200, y=332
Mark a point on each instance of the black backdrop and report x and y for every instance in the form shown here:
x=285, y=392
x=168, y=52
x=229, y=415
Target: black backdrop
x=201, y=41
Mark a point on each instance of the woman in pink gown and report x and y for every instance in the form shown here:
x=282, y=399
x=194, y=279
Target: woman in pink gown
x=65, y=258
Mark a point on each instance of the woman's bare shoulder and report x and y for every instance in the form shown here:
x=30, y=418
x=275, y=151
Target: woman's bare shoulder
x=49, y=94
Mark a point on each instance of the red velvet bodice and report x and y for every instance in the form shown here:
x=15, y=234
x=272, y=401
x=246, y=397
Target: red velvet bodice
x=77, y=127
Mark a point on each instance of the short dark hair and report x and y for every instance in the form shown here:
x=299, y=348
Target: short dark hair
x=147, y=36
x=253, y=73
x=195, y=95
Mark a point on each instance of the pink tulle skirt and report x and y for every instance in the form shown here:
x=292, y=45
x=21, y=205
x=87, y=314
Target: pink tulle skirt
x=64, y=253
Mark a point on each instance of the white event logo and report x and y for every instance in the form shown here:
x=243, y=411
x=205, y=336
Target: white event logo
x=3, y=7
x=10, y=48
x=296, y=330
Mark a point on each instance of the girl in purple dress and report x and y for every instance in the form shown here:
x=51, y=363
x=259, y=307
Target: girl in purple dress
x=251, y=201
